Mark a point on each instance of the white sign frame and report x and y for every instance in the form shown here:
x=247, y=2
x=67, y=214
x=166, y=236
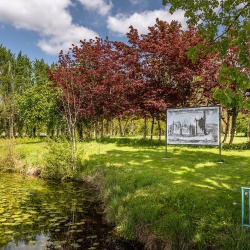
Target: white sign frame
x=193, y=126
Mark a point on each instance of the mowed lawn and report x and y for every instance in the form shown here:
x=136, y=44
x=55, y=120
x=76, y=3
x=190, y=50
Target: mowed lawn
x=187, y=201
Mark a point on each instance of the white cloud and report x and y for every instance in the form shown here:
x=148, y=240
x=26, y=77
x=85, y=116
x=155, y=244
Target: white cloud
x=120, y=23
x=101, y=6
x=135, y=1
x=49, y=18
x=73, y=34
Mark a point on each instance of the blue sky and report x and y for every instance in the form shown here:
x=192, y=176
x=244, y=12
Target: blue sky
x=41, y=28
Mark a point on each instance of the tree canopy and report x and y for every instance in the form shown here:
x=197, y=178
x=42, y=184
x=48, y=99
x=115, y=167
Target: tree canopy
x=144, y=77
x=103, y=80
x=225, y=27
x=26, y=100
x=223, y=24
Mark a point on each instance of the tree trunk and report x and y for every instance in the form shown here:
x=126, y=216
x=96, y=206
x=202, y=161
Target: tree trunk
x=132, y=127
x=159, y=129
x=227, y=127
x=71, y=121
x=34, y=132
x=125, y=127
x=152, y=128
x=233, y=127
x=107, y=128
x=95, y=130
x=112, y=127
x=102, y=126
x=145, y=128
x=73, y=146
x=120, y=127
x=80, y=130
x=11, y=126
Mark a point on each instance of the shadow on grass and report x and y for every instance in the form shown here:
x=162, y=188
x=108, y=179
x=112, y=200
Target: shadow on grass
x=142, y=142
x=193, y=170
x=133, y=142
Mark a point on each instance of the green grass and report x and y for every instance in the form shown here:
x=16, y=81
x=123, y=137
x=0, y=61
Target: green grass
x=190, y=199
x=187, y=201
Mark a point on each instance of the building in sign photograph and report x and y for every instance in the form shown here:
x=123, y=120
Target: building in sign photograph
x=193, y=126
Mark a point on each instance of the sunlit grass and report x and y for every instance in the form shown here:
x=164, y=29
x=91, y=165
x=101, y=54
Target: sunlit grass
x=189, y=193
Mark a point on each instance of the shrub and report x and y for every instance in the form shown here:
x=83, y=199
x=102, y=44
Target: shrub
x=58, y=161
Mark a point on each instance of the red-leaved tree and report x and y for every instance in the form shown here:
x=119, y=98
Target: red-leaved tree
x=161, y=74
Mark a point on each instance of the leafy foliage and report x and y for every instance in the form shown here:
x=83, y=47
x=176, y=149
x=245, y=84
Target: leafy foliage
x=38, y=107
x=223, y=24
x=101, y=79
x=26, y=99
x=225, y=28
x=58, y=161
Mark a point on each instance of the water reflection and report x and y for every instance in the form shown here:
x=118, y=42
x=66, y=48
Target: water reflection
x=37, y=214
x=40, y=243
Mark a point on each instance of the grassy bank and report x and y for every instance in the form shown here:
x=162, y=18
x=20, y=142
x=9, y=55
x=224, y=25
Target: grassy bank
x=188, y=201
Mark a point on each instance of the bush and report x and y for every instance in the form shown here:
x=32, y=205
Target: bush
x=238, y=146
x=9, y=160
x=59, y=163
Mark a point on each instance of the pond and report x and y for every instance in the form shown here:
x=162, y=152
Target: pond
x=39, y=214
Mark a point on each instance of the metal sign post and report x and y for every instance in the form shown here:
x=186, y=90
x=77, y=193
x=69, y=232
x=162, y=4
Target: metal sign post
x=245, y=191
x=220, y=146
x=166, y=147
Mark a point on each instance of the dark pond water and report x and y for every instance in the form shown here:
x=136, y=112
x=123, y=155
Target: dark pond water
x=39, y=214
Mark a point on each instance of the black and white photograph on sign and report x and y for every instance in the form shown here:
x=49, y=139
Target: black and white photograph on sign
x=193, y=126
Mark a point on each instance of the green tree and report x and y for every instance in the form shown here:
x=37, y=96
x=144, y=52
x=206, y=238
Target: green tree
x=38, y=104
x=15, y=77
x=38, y=108
x=22, y=78
x=7, y=98
x=243, y=123
x=225, y=26
x=233, y=92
